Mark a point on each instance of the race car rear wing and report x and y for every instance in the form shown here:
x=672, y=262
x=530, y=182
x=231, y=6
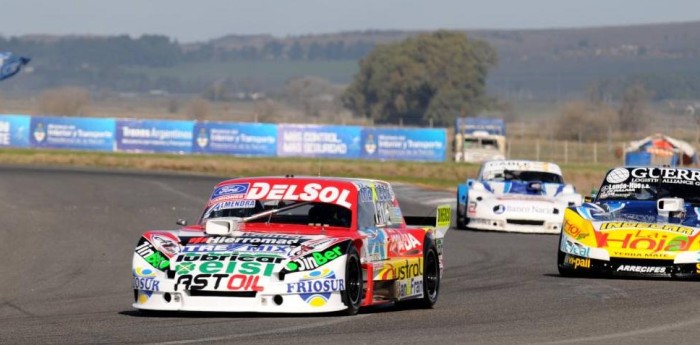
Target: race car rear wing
x=441, y=221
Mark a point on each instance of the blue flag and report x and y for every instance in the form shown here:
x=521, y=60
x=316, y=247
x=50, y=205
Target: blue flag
x=11, y=64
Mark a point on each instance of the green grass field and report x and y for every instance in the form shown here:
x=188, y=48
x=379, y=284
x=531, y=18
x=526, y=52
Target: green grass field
x=273, y=72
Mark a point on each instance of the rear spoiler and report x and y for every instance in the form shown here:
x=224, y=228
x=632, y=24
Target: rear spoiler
x=441, y=221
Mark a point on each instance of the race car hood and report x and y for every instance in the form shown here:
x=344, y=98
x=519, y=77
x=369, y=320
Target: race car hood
x=532, y=188
x=266, y=256
x=632, y=230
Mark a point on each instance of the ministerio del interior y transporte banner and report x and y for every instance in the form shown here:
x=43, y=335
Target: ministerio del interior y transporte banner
x=409, y=144
x=229, y=138
x=76, y=133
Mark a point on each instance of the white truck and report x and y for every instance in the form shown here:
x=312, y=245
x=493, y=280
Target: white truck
x=479, y=139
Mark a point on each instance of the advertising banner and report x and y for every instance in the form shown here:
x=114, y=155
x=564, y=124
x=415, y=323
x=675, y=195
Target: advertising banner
x=154, y=136
x=14, y=130
x=318, y=141
x=80, y=133
x=244, y=139
x=404, y=144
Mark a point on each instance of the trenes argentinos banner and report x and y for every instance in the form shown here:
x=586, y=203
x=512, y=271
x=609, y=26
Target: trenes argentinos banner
x=318, y=141
x=14, y=130
x=244, y=139
x=154, y=136
x=404, y=144
x=80, y=133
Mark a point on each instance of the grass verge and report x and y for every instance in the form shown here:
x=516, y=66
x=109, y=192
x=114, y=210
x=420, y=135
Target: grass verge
x=444, y=175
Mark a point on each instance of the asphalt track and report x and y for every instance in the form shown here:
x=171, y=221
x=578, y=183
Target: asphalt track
x=68, y=235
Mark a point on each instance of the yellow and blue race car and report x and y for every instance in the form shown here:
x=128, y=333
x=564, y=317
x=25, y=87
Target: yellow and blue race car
x=643, y=222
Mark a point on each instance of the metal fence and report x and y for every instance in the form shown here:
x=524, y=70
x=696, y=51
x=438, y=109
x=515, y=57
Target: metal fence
x=565, y=152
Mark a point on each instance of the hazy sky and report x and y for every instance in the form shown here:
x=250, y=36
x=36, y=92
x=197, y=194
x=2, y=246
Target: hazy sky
x=195, y=20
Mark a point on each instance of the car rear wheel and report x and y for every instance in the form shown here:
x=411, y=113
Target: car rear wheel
x=352, y=295
x=431, y=279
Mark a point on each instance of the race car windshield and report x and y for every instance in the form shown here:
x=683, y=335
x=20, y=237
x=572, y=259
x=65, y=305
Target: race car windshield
x=282, y=212
x=645, y=184
x=526, y=176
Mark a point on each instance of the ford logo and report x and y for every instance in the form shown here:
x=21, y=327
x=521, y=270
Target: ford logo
x=230, y=189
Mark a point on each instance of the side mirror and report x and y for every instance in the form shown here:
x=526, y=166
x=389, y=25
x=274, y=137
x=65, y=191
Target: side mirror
x=181, y=222
x=670, y=207
x=222, y=226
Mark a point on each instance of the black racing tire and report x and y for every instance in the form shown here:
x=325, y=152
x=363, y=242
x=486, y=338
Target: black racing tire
x=354, y=292
x=461, y=219
x=563, y=270
x=431, y=279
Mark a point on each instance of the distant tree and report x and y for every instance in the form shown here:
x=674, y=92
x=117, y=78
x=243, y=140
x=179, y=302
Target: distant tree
x=310, y=94
x=584, y=121
x=69, y=101
x=266, y=110
x=434, y=77
x=198, y=109
x=296, y=52
x=216, y=92
x=633, y=112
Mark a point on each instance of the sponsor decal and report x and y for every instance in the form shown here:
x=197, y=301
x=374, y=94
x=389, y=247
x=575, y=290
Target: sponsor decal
x=617, y=175
x=666, y=175
x=412, y=287
x=526, y=209
x=199, y=281
x=241, y=282
x=444, y=215
x=577, y=262
x=574, y=230
x=228, y=256
x=639, y=225
x=146, y=284
x=248, y=239
x=228, y=267
x=376, y=193
x=644, y=240
x=273, y=250
x=499, y=209
x=697, y=268
x=375, y=243
x=223, y=205
x=315, y=287
x=315, y=260
x=574, y=248
x=144, y=280
x=408, y=268
x=309, y=192
x=229, y=192
x=155, y=258
x=402, y=243
x=164, y=242
x=641, y=269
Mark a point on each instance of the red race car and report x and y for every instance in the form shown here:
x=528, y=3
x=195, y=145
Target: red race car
x=293, y=245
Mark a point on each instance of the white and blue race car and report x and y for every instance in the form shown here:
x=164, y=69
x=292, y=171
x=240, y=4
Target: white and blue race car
x=515, y=196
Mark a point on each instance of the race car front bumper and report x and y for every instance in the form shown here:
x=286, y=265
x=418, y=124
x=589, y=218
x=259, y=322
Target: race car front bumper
x=527, y=216
x=631, y=267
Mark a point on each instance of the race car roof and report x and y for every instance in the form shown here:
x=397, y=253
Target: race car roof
x=356, y=182
x=336, y=190
x=520, y=165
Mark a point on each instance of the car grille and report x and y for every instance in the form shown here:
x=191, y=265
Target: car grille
x=525, y=222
